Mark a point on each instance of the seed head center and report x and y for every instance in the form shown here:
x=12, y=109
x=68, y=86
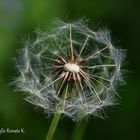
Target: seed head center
x=71, y=67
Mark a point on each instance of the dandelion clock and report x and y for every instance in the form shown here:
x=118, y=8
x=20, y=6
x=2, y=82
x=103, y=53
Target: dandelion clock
x=71, y=71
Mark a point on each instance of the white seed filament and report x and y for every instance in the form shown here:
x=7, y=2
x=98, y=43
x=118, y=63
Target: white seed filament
x=71, y=67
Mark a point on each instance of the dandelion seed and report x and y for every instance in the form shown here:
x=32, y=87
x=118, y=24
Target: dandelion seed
x=71, y=70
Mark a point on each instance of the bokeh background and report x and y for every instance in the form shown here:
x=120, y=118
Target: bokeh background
x=19, y=18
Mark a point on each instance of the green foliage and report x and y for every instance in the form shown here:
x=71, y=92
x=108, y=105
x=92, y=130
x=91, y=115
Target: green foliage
x=20, y=18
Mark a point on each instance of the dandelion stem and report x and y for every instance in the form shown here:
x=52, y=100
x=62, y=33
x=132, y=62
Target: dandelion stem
x=81, y=98
x=84, y=45
x=79, y=130
x=100, y=77
x=60, y=47
x=98, y=66
x=51, y=83
x=71, y=46
x=91, y=87
x=99, y=82
x=61, y=85
x=53, y=127
x=50, y=59
x=92, y=56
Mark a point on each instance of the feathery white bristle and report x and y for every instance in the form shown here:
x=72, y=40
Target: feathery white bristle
x=82, y=89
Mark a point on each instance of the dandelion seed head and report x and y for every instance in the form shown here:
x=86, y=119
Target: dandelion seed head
x=72, y=70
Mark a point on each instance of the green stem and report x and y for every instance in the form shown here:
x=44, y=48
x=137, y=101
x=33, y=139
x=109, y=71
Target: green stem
x=79, y=130
x=53, y=127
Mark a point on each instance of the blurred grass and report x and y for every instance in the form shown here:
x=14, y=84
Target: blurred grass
x=20, y=18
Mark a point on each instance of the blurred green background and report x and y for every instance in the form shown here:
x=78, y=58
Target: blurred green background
x=19, y=18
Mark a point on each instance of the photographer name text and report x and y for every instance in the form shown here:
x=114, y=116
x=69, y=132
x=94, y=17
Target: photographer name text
x=11, y=131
